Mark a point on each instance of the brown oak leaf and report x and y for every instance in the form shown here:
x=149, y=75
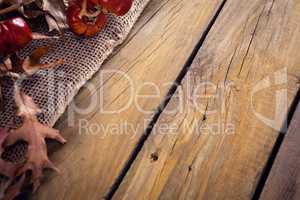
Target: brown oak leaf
x=7, y=169
x=34, y=133
x=15, y=189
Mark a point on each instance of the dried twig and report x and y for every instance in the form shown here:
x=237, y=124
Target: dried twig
x=15, y=6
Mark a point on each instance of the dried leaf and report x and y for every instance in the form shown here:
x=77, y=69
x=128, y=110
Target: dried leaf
x=31, y=12
x=30, y=65
x=6, y=66
x=54, y=11
x=52, y=24
x=25, y=104
x=14, y=190
x=20, y=5
x=12, y=2
x=7, y=169
x=56, y=14
x=34, y=133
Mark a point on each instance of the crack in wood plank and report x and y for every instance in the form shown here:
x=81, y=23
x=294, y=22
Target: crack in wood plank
x=224, y=166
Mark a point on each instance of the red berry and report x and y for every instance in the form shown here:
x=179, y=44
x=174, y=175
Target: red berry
x=118, y=7
x=82, y=20
x=15, y=34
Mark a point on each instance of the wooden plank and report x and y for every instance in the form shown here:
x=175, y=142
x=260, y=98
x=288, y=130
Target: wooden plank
x=284, y=177
x=213, y=139
x=92, y=160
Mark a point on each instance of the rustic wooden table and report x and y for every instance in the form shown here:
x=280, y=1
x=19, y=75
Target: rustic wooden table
x=235, y=61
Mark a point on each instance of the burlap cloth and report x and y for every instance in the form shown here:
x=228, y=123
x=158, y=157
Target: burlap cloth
x=53, y=89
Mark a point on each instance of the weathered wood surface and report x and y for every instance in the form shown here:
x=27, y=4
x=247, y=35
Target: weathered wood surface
x=215, y=136
x=156, y=51
x=283, y=181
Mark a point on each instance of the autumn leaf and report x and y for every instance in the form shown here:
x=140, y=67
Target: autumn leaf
x=15, y=189
x=28, y=66
x=55, y=14
x=25, y=7
x=53, y=10
x=32, y=63
x=34, y=133
x=31, y=130
x=7, y=169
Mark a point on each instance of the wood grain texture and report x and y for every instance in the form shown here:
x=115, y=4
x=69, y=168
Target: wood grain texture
x=283, y=180
x=214, y=138
x=155, y=52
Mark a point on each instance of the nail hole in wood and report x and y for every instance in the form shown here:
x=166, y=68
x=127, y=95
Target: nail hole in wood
x=154, y=156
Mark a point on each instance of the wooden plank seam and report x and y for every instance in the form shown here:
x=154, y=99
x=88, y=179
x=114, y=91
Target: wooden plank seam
x=163, y=105
x=274, y=153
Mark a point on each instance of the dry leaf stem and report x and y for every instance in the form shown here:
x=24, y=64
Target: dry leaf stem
x=15, y=6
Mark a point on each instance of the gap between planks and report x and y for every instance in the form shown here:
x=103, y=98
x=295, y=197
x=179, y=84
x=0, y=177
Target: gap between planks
x=163, y=105
x=278, y=145
x=257, y=148
x=100, y=159
x=282, y=181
